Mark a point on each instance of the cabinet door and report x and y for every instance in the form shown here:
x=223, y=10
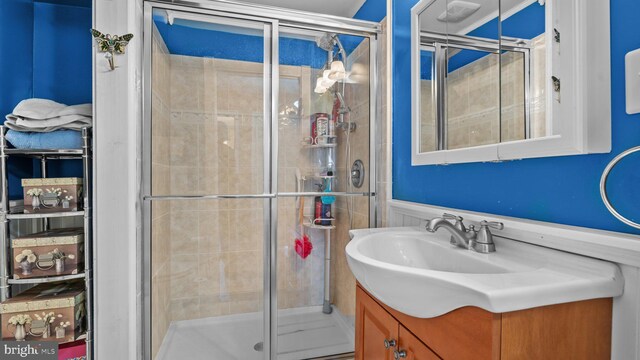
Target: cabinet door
x=374, y=325
x=410, y=348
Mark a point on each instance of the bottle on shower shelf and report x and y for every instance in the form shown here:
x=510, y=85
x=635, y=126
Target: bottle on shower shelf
x=317, y=206
x=332, y=127
x=317, y=214
x=326, y=215
x=319, y=128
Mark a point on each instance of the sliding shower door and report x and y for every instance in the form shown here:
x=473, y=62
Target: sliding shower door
x=258, y=159
x=207, y=202
x=323, y=128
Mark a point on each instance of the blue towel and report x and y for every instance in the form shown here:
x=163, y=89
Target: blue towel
x=59, y=139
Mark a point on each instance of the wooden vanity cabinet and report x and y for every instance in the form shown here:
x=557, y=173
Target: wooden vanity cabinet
x=377, y=326
x=579, y=330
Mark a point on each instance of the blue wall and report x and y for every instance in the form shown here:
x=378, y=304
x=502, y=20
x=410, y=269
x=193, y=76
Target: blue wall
x=192, y=41
x=372, y=10
x=182, y=39
x=16, y=39
x=47, y=53
x=560, y=189
x=16, y=72
x=62, y=53
x=62, y=61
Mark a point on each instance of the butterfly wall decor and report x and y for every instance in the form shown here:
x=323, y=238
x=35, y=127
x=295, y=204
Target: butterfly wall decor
x=111, y=45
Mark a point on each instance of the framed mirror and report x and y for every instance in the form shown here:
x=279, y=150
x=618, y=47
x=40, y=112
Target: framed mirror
x=509, y=79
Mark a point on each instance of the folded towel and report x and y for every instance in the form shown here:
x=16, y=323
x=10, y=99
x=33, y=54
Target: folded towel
x=41, y=115
x=60, y=139
x=46, y=126
x=42, y=109
x=73, y=122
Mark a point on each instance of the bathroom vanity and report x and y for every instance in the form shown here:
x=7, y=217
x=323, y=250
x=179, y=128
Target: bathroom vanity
x=577, y=330
x=420, y=297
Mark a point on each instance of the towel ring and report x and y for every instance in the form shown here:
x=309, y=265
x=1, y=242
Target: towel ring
x=603, y=186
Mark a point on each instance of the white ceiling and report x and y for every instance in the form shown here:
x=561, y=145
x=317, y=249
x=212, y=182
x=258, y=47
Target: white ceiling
x=345, y=8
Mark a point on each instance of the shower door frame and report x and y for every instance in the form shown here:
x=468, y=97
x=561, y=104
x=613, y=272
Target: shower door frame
x=228, y=12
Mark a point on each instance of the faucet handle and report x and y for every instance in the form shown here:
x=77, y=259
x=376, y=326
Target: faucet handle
x=459, y=224
x=492, y=224
x=452, y=217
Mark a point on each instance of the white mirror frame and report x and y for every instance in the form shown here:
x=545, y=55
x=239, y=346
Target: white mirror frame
x=580, y=123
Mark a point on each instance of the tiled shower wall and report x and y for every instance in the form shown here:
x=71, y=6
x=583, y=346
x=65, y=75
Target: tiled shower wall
x=216, y=147
x=473, y=101
x=161, y=267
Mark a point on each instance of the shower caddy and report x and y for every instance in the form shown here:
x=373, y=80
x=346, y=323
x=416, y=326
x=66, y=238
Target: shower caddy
x=327, y=224
x=44, y=155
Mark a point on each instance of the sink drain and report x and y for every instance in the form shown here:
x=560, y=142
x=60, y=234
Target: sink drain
x=258, y=346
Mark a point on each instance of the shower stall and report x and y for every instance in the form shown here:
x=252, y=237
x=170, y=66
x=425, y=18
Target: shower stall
x=259, y=155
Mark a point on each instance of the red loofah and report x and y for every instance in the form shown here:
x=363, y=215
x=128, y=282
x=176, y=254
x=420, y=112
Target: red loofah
x=304, y=247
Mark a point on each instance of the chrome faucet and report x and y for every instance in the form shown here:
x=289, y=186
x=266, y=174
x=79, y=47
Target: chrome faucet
x=480, y=241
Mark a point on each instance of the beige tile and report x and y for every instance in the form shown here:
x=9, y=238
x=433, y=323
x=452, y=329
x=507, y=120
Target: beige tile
x=187, y=87
x=214, y=232
x=184, y=283
x=244, y=302
x=211, y=273
x=160, y=179
x=213, y=142
x=243, y=180
x=184, y=232
x=184, y=180
x=160, y=237
x=212, y=306
x=213, y=180
x=185, y=309
x=244, y=271
x=184, y=143
x=246, y=227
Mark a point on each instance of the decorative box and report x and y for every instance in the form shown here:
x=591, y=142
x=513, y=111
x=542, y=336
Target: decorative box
x=46, y=312
x=76, y=350
x=52, y=194
x=48, y=253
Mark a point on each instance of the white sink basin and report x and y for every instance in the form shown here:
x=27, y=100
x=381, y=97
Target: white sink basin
x=422, y=275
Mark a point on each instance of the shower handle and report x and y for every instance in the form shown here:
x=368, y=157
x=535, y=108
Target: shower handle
x=357, y=173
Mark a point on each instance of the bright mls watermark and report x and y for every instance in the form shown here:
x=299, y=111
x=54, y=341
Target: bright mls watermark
x=29, y=350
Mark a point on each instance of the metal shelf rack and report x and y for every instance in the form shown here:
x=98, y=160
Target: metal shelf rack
x=329, y=142
x=44, y=155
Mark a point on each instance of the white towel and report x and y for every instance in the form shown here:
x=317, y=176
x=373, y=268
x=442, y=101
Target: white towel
x=41, y=115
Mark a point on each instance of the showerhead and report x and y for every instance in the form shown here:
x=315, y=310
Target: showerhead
x=326, y=42
x=329, y=41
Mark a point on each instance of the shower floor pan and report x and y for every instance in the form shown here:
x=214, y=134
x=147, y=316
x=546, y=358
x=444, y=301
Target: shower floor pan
x=303, y=333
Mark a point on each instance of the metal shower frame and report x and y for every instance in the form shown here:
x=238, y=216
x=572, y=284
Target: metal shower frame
x=271, y=19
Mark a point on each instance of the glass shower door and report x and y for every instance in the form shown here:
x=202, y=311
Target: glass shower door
x=207, y=202
x=323, y=127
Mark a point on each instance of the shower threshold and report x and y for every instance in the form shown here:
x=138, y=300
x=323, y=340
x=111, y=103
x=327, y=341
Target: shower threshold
x=303, y=333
